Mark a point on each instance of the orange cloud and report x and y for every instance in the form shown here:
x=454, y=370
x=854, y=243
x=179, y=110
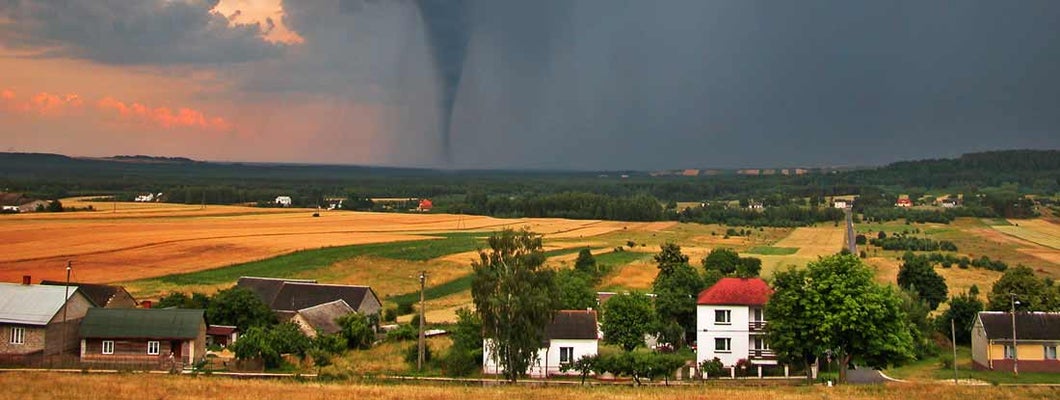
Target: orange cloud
x=43, y=103
x=163, y=116
x=52, y=105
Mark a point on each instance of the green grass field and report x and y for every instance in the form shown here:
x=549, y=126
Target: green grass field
x=772, y=251
x=619, y=258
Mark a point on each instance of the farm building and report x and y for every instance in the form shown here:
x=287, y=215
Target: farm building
x=292, y=295
x=1037, y=338
x=283, y=201
x=18, y=202
x=106, y=296
x=32, y=320
x=221, y=335
x=150, y=338
x=730, y=322
x=319, y=319
x=904, y=202
x=571, y=335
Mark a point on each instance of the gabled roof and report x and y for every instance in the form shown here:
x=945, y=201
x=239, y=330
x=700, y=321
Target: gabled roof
x=266, y=288
x=1029, y=325
x=99, y=295
x=142, y=323
x=736, y=291
x=572, y=324
x=296, y=294
x=14, y=199
x=31, y=304
x=322, y=317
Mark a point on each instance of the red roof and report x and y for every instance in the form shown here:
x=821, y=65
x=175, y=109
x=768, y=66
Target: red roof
x=220, y=330
x=736, y=291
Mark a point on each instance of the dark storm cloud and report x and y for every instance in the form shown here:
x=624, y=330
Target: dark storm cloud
x=609, y=84
x=131, y=32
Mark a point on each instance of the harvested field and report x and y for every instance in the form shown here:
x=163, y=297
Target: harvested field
x=1037, y=231
x=957, y=280
x=810, y=242
x=143, y=240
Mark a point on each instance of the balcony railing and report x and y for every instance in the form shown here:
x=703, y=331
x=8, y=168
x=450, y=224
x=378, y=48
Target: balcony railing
x=763, y=354
x=757, y=325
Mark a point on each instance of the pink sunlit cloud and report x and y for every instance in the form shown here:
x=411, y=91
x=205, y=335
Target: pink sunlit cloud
x=46, y=104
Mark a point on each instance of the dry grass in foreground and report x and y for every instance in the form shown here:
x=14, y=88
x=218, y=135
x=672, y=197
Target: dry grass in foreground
x=21, y=385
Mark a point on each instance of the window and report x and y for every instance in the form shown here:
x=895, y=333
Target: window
x=722, y=317
x=723, y=345
x=108, y=347
x=152, y=347
x=18, y=335
x=1050, y=352
x=760, y=344
x=566, y=354
x=1010, y=352
x=758, y=315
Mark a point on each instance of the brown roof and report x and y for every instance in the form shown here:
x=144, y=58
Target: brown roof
x=1029, y=325
x=572, y=324
x=98, y=294
x=322, y=317
x=13, y=199
x=219, y=330
x=291, y=295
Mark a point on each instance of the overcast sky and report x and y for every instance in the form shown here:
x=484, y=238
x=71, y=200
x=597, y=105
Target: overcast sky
x=564, y=84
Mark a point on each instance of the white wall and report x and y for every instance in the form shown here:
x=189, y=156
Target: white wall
x=707, y=330
x=547, y=358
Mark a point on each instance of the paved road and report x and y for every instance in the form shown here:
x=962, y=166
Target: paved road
x=864, y=375
x=851, y=244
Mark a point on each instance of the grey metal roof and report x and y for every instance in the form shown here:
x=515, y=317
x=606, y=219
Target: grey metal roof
x=322, y=317
x=31, y=304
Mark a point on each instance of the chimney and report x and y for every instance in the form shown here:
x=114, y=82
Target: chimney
x=145, y=304
x=26, y=279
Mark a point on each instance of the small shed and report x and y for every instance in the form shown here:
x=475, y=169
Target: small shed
x=221, y=335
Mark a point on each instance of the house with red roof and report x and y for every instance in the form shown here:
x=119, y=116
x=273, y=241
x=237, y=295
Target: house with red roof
x=730, y=322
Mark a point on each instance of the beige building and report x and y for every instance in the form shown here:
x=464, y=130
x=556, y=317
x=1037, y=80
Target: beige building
x=33, y=322
x=1035, y=350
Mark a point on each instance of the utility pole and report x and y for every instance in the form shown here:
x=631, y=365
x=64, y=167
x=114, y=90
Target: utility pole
x=1015, y=353
x=419, y=360
x=953, y=339
x=66, y=299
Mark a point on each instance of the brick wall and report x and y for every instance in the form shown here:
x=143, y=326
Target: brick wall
x=1028, y=365
x=33, y=339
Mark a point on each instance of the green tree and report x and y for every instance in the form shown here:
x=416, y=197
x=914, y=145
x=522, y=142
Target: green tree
x=583, y=365
x=575, y=290
x=270, y=342
x=181, y=300
x=963, y=309
x=748, y=267
x=586, y=263
x=357, y=330
x=835, y=304
x=465, y=355
x=627, y=318
x=722, y=260
x=515, y=297
x=676, y=287
x=238, y=307
x=669, y=256
x=1032, y=293
x=917, y=275
x=55, y=206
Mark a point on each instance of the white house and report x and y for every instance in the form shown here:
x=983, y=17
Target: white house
x=283, y=201
x=730, y=323
x=839, y=203
x=571, y=335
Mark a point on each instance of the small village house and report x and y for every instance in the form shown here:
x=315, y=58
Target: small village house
x=145, y=337
x=283, y=201
x=105, y=296
x=730, y=323
x=572, y=334
x=18, y=202
x=221, y=335
x=319, y=319
x=33, y=322
x=904, y=201
x=1037, y=338
x=286, y=296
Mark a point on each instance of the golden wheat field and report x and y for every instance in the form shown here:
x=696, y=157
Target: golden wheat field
x=30, y=386
x=127, y=241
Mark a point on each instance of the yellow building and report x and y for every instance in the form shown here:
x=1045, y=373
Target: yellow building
x=1037, y=336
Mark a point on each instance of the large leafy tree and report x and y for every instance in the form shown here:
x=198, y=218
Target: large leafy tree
x=722, y=260
x=357, y=330
x=676, y=287
x=515, y=297
x=1032, y=293
x=586, y=263
x=835, y=304
x=627, y=318
x=917, y=275
x=575, y=290
x=239, y=307
x=963, y=309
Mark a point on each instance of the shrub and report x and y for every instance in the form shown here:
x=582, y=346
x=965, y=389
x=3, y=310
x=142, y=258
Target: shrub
x=711, y=368
x=412, y=354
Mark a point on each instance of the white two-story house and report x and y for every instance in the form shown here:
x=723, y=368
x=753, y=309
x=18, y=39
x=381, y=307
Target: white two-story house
x=730, y=323
x=571, y=335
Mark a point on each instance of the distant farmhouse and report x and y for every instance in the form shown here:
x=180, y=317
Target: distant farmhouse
x=106, y=296
x=18, y=202
x=294, y=299
x=283, y=201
